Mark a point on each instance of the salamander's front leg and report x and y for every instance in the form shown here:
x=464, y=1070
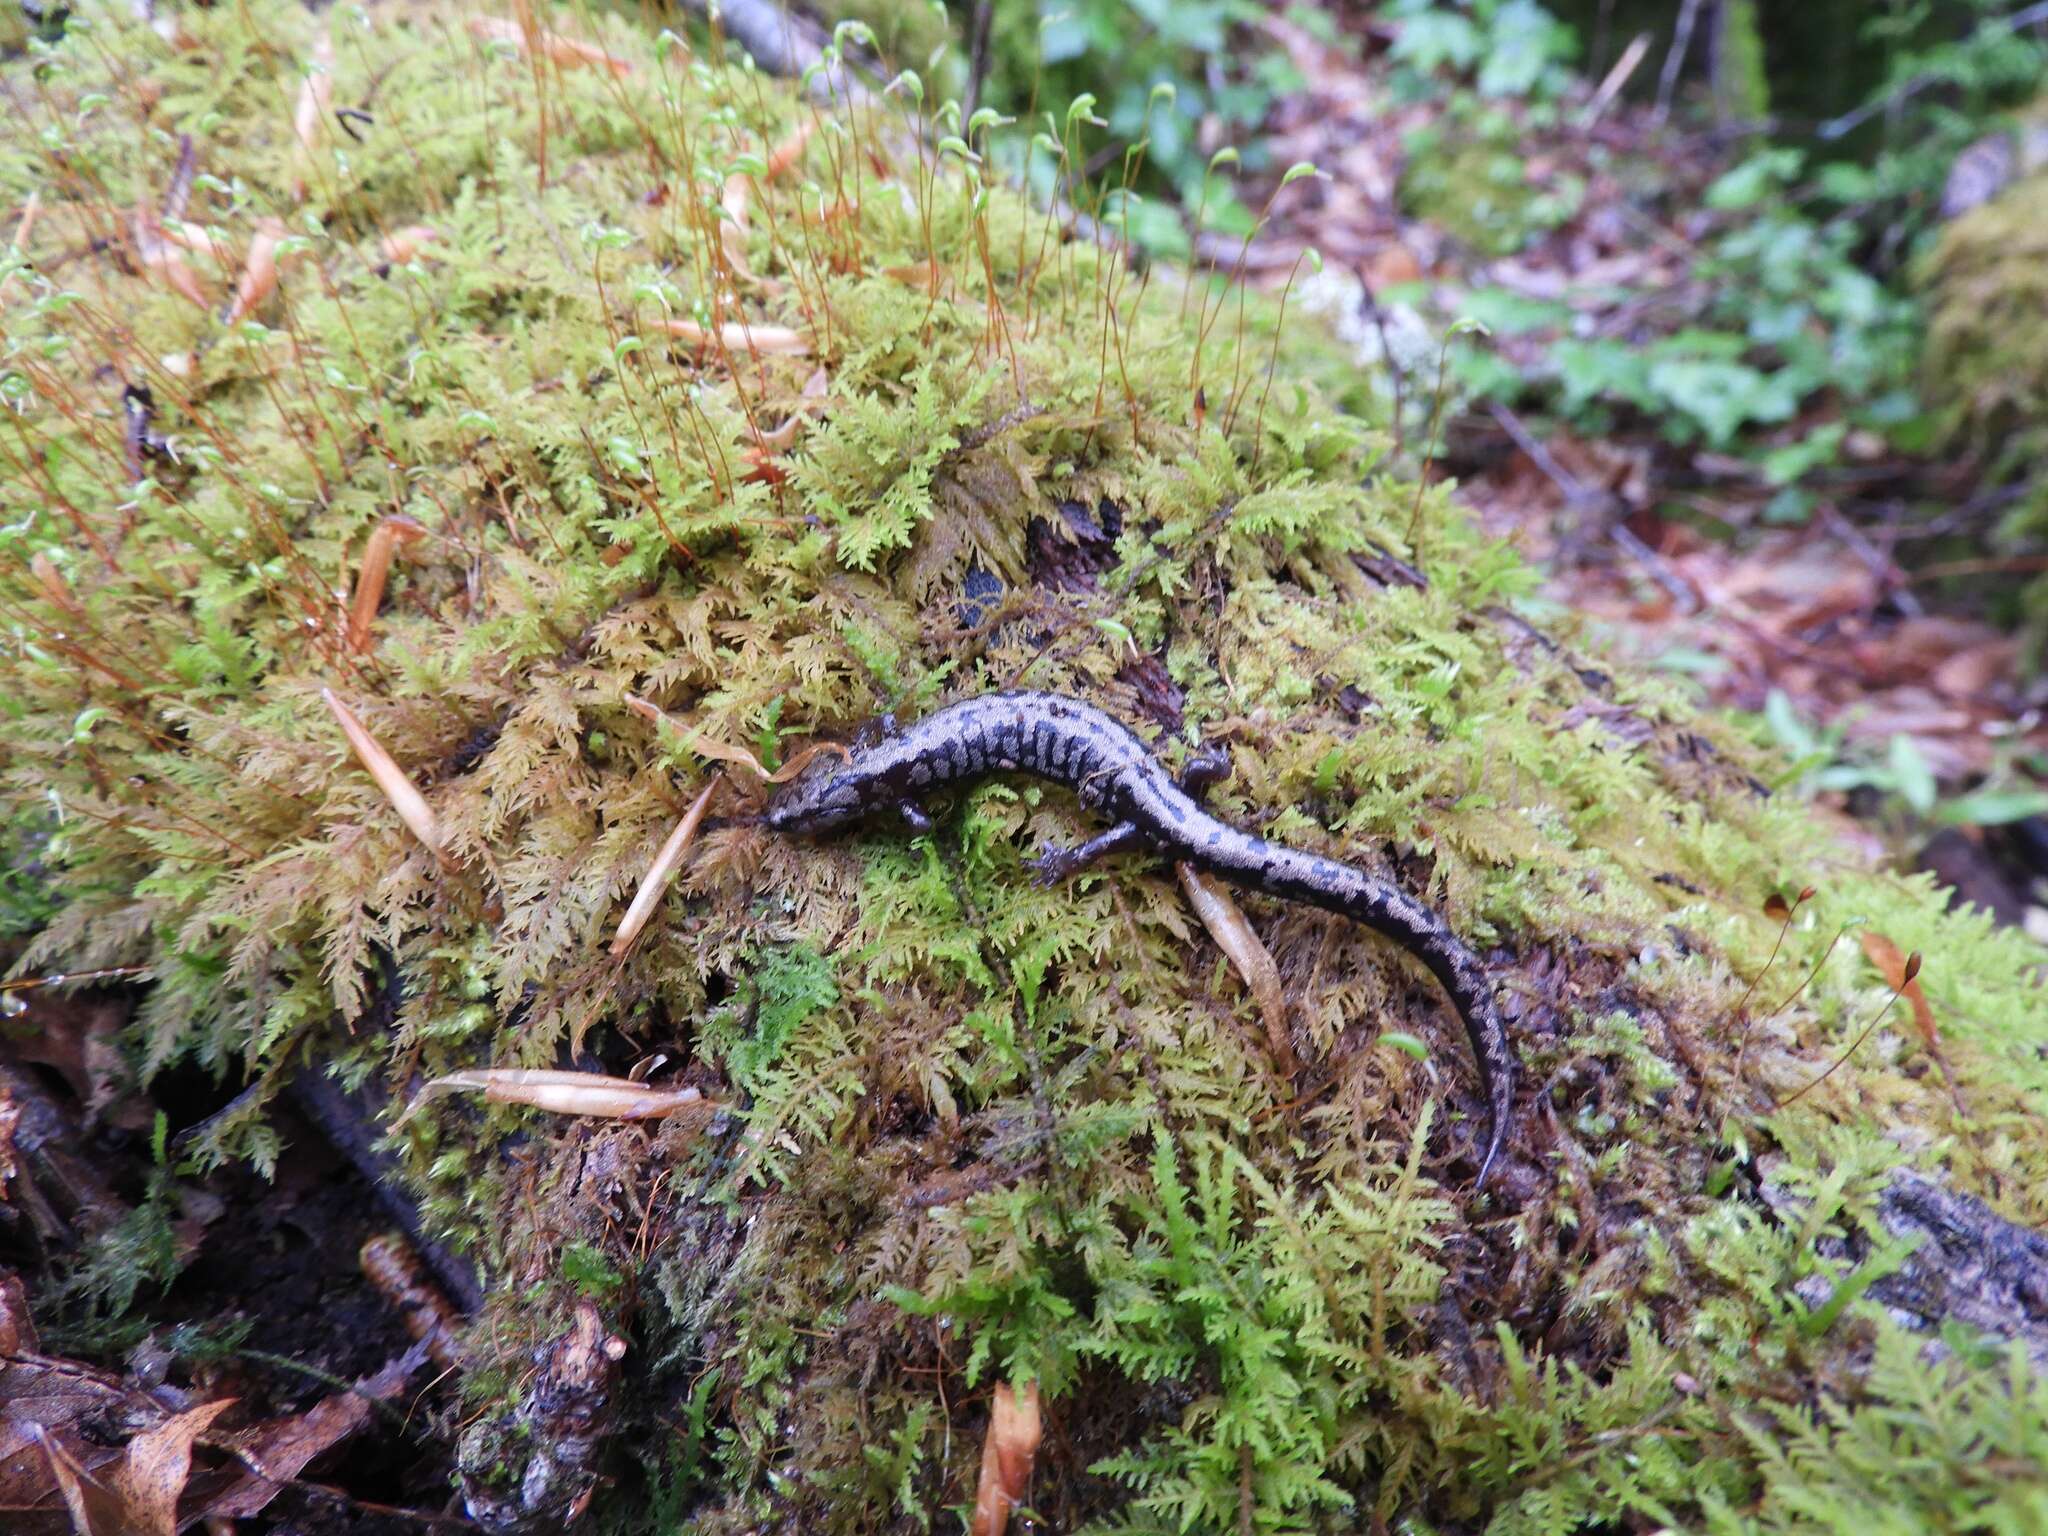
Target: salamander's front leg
x=1203, y=771
x=1057, y=864
x=913, y=816
x=871, y=733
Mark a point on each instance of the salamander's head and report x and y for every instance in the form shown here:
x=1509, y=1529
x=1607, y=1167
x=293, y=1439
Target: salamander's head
x=822, y=798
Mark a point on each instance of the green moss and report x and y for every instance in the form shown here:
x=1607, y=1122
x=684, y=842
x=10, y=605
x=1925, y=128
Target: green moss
x=968, y=1128
x=1986, y=355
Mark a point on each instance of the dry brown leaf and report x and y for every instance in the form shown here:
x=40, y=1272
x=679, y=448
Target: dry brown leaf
x=153, y=1472
x=736, y=757
x=10, y=1117
x=22, y=230
x=40, y=1400
x=275, y=1452
x=94, y=1508
x=564, y=51
x=1235, y=936
x=1007, y=1453
x=1902, y=975
x=17, y=1327
x=1891, y=965
x=314, y=94
x=402, y=245
x=162, y=260
x=259, y=272
x=1393, y=265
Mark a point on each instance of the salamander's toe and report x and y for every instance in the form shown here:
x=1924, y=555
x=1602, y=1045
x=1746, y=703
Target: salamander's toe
x=1052, y=866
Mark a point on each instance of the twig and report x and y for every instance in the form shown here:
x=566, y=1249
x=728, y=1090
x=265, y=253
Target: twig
x=1617, y=77
x=1394, y=368
x=1574, y=488
x=1679, y=589
x=1907, y=89
x=1674, y=61
x=977, y=53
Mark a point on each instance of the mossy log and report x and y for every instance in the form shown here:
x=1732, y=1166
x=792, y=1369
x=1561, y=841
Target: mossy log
x=780, y=414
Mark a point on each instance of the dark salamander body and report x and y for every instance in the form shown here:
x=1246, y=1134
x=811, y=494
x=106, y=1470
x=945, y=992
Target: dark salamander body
x=1054, y=737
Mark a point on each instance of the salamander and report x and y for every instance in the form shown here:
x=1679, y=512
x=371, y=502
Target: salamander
x=889, y=769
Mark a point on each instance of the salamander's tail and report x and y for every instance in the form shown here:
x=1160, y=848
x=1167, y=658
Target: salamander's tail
x=1470, y=988
x=1496, y=1062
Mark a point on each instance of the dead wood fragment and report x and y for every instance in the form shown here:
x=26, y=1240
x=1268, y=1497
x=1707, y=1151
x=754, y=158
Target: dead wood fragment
x=394, y=1269
x=556, y=1436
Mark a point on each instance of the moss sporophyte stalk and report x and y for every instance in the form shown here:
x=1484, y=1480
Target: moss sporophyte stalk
x=780, y=439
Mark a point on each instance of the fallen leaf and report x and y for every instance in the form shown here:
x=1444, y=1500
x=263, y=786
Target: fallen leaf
x=560, y=1093
x=277, y=1451
x=565, y=51
x=738, y=336
x=153, y=1472
x=259, y=272
x=46, y=1466
x=94, y=1508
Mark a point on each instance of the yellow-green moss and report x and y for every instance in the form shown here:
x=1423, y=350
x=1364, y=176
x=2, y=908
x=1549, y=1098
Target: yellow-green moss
x=970, y=1127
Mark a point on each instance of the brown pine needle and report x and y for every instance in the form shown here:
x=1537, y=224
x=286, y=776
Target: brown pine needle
x=737, y=757
x=1007, y=1454
x=663, y=869
x=403, y=794
x=738, y=336
x=1236, y=937
x=385, y=538
x=560, y=1093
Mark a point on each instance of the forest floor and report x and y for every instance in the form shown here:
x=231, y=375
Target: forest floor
x=1859, y=630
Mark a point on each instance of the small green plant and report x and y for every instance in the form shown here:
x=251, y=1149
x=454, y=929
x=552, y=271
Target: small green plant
x=1822, y=760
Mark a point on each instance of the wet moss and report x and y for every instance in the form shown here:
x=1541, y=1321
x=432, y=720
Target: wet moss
x=968, y=1128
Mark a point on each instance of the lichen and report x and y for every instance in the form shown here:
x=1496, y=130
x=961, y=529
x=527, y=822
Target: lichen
x=969, y=1128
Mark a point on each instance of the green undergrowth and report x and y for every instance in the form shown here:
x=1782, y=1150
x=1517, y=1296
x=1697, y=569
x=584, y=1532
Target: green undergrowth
x=966, y=1128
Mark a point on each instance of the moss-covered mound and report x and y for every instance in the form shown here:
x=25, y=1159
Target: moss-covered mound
x=779, y=433
x=1987, y=335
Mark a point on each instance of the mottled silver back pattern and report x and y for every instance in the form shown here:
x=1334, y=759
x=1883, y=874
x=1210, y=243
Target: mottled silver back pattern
x=1057, y=738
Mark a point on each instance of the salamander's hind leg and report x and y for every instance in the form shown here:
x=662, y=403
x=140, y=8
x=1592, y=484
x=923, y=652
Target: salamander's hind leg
x=1203, y=771
x=1057, y=864
x=914, y=816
